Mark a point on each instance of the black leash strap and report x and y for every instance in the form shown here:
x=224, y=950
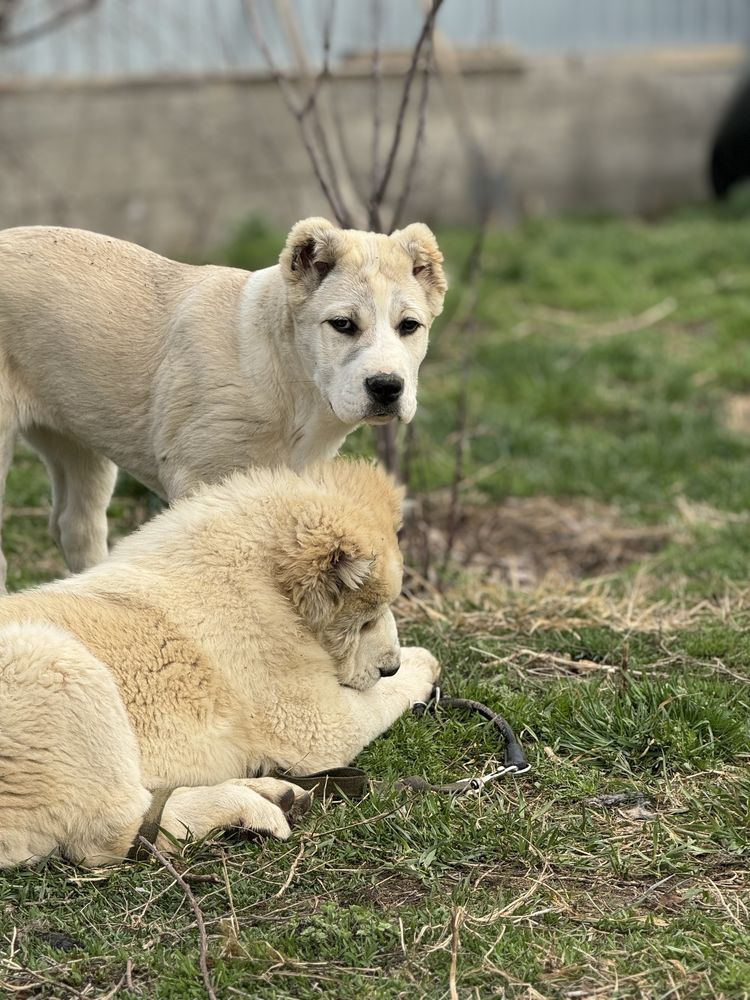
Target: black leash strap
x=342, y=783
x=515, y=760
x=338, y=783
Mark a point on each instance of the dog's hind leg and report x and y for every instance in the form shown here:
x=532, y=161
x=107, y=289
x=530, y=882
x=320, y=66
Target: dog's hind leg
x=70, y=780
x=82, y=484
x=70, y=769
x=8, y=432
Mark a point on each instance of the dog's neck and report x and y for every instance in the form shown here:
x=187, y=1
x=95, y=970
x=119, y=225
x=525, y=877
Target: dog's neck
x=316, y=437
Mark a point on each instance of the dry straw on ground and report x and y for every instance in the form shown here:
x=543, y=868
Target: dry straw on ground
x=534, y=564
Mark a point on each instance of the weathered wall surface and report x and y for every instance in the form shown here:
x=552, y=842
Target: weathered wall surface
x=176, y=164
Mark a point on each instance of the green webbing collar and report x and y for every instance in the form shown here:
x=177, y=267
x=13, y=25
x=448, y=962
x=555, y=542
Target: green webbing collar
x=149, y=828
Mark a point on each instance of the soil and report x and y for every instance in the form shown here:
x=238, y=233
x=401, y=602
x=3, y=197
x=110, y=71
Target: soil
x=523, y=539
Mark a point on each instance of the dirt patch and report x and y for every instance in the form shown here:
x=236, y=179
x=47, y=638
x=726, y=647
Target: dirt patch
x=521, y=541
x=737, y=414
x=393, y=892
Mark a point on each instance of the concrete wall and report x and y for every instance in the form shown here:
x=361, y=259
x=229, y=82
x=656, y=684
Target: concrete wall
x=177, y=164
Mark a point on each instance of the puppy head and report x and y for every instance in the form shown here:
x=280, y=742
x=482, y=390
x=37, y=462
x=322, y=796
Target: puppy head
x=362, y=305
x=341, y=568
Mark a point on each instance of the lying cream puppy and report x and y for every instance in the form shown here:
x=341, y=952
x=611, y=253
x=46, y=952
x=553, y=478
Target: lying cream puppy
x=111, y=355
x=246, y=629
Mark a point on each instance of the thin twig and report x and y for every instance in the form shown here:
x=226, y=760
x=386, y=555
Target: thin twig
x=427, y=30
x=376, y=20
x=416, y=148
x=356, y=180
x=407, y=455
x=459, y=461
x=300, y=113
x=474, y=272
x=310, y=109
x=458, y=105
x=386, y=447
x=321, y=134
x=292, y=870
x=200, y=923
x=457, y=918
x=52, y=23
x=460, y=311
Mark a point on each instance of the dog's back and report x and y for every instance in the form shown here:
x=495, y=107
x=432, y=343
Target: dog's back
x=101, y=308
x=85, y=324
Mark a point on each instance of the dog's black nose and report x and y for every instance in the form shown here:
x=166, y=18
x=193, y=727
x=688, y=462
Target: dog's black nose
x=384, y=389
x=389, y=669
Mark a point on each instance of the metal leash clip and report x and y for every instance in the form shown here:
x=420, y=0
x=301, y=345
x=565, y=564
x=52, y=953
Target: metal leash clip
x=515, y=759
x=419, y=708
x=477, y=784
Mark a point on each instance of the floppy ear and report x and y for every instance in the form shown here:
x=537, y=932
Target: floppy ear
x=323, y=561
x=419, y=242
x=312, y=249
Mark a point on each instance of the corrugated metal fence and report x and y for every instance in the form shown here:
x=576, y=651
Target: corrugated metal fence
x=153, y=37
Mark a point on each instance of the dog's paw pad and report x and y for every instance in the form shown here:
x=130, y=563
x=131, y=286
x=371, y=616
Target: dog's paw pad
x=286, y=802
x=300, y=806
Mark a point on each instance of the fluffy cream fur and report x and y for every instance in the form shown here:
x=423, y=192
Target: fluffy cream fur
x=112, y=355
x=246, y=629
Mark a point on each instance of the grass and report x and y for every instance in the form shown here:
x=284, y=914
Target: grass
x=607, y=356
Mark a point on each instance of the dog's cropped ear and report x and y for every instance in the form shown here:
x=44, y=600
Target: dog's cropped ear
x=419, y=242
x=312, y=248
x=322, y=561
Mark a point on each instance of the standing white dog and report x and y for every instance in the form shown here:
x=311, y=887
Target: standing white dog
x=111, y=355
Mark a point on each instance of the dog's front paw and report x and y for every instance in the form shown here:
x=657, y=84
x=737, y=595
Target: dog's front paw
x=261, y=805
x=423, y=658
x=293, y=801
x=419, y=670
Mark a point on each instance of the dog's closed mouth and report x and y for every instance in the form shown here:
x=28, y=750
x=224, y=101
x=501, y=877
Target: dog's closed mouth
x=381, y=417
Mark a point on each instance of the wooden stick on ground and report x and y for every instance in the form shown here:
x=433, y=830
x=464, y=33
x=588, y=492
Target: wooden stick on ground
x=202, y=936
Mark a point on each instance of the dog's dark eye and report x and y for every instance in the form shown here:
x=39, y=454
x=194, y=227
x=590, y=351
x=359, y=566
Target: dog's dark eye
x=368, y=625
x=407, y=326
x=343, y=324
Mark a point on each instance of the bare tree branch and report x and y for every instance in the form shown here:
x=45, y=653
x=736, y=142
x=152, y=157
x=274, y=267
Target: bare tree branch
x=355, y=176
x=197, y=912
x=313, y=106
x=376, y=19
x=289, y=23
x=449, y=71
x=7, y=10
x=411, y=167
x=427, y=29
x=53, y=22
x=473, y=274
x=386, y=446
x=300, y=112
